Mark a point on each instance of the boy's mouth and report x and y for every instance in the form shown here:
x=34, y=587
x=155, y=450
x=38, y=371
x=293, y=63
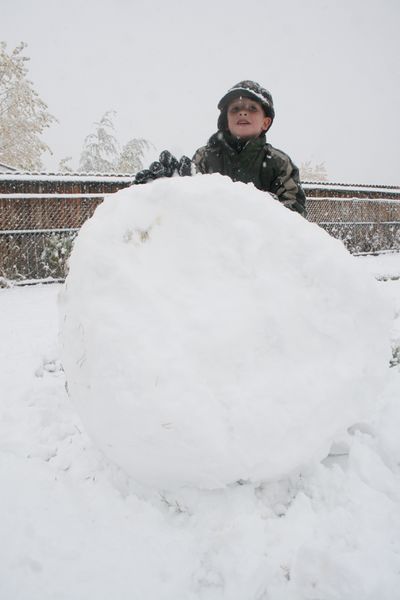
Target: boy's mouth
x=243, y=122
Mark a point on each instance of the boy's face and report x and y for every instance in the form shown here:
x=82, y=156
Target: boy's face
x=246, y=118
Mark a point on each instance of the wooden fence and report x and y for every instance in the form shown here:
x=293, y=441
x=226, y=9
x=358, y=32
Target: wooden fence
x=40, y=214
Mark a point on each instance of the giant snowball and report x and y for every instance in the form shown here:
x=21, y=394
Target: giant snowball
x=211, y=335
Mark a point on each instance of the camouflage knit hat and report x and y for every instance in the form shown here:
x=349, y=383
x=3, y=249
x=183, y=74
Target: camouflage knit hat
x=245, y=89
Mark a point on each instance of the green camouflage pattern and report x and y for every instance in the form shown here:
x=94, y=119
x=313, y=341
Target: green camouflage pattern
x=254, y=161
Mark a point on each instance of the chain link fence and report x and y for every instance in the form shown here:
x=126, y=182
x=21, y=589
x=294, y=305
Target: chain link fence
x=364, y=224
x=40, y=216
x=37, y=233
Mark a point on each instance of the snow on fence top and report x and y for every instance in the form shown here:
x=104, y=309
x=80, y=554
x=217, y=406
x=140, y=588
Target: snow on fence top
x=129, y=178
x=310, y=185
x=69, y=177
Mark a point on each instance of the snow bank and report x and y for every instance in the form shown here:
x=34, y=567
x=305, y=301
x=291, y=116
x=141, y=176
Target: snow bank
x=210, y=335
x=74, y=527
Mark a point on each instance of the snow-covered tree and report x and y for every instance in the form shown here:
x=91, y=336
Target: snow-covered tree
x=310, y=172
x=64, y=166
x=131, y=157
x=23, y=114
x=101, y=149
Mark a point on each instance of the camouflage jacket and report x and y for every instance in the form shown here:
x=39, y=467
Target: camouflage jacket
x=255, y=162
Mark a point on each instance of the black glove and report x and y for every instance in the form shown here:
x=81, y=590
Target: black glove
x=166, y=166
x=185, y=166
x=171, y=165
x=144, y=176
x=169, y=162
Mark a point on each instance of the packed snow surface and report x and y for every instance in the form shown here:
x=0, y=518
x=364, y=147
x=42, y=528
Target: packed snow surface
x=212, y=336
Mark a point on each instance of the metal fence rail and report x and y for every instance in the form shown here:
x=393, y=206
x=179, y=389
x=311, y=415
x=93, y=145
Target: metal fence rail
x=40, y=215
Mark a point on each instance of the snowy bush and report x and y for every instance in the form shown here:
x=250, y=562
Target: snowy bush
x=56, y=248
x=210, y=335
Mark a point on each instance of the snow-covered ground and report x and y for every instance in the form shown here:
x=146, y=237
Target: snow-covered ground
x=73, y=526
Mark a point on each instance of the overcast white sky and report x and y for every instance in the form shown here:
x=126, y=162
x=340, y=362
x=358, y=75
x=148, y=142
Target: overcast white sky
x=333, y=67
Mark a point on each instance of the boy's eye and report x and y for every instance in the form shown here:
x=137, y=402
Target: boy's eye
x=248, y=108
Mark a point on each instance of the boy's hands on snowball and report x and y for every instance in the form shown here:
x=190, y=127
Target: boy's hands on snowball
x=185, y=166
x=166, y=166
x=169, y=162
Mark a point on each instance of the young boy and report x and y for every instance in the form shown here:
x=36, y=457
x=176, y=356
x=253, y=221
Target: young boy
x=239, y=149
